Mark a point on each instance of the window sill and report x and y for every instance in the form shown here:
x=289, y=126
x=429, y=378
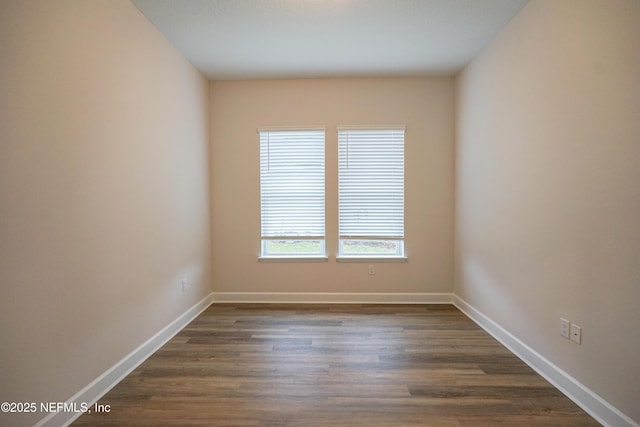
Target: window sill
x=293, y=258
x=372, y=259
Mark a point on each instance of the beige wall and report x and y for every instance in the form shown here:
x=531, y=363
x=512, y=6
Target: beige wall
x=548, y=187
x=104, y=192
x=239, y=108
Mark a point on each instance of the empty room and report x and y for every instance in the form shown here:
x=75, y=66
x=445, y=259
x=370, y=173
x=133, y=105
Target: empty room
x=319, y=212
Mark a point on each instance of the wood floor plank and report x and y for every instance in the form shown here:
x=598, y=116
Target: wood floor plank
x=334, y=365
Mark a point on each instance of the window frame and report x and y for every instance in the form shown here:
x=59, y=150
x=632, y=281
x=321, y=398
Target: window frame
x=266, y=234
x=343, y=256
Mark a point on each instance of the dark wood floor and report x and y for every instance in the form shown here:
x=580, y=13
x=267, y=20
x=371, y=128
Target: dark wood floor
x=335, y=365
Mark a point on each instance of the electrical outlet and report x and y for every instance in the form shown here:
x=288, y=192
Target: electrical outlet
x=564, y=327
x=185, y=285
x=576, y=333
x=372, y=269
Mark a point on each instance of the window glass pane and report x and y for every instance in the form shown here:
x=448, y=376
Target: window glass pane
x=293, y=247
x=371, y=247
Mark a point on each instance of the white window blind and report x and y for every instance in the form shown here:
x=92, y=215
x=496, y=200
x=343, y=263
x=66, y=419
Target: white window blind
x=292, y=170
x=371, y=183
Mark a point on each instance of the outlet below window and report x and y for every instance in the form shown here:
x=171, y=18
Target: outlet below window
x=576, y=333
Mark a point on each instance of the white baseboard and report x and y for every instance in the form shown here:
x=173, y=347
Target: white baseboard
x=332, y=298
x=105, y=382
x=584, y=397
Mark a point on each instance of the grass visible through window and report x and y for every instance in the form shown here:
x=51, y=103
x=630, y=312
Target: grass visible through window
x=377, y=247
x=300, y=247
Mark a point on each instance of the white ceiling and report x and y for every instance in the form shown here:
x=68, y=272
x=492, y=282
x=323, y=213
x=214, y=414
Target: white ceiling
x=262, y=39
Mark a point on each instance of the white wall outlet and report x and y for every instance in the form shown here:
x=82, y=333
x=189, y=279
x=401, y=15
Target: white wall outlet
x=564, y=327
x=185, y=285
x=372, y=269
x=576, y=333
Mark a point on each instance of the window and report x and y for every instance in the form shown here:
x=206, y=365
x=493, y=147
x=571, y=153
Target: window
x=371, y=192
x=292, y=193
